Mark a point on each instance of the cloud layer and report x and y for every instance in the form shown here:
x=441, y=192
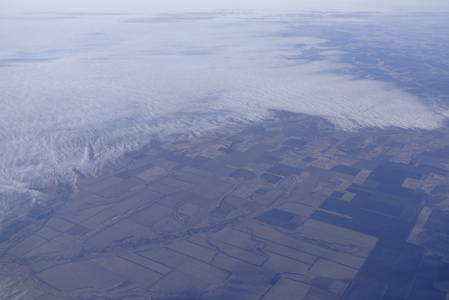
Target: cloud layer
x=81, y=90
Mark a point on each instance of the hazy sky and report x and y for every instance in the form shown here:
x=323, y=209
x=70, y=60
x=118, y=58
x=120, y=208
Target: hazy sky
x=195, y=5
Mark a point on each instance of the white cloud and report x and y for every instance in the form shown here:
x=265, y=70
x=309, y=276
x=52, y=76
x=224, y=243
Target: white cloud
x=82, y=90
x=11, y=283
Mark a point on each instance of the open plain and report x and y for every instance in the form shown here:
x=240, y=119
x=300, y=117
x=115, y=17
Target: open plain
x=290, y=208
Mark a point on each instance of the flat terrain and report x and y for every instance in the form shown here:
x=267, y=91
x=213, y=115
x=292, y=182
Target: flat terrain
x=291, y=208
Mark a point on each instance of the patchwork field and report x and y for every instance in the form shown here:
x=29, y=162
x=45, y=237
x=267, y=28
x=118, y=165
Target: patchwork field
x=266, y=212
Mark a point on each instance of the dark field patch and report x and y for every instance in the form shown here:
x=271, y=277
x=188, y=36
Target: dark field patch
x=309, y=159
x=223, y=210
x=185, y=160
x=330, y=218
x=140, y=156
x=439, y=153
x=284, y=170
x=346, y=170
x=400, y=258
x=242, y=173
x=280, y=214
x=299, y=131
x=440, y=189
x=364, y=229
x=372, y=219
x=386, y=274
x=259, y=130
x=394, y=293
x=396, y=233
x=384, y=173
x=438, y=221
x=278, y=217
x=270, y=178
x=321, y=282
x=268, y=159
x=340, y=206
x=376, y=206
x=425, y=169
x=13, y=228
x=45, y=215
x=366, y=289
x=337, y=194
x=426, y=275
x=175, y=157
x=443, y=273
x=173, y=298
x=316, y=294
x=296, y=143
x=78, y=230
x=131, y=172
x=389, y=199
x=393, y=188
